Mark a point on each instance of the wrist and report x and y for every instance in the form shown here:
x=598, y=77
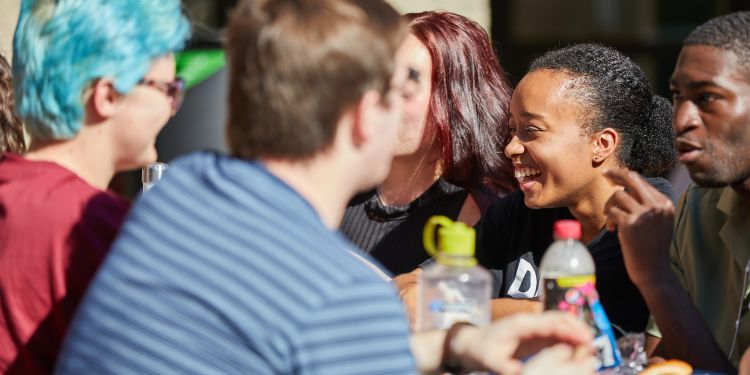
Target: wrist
x=651, y=277
x=455, y=347
x=658, y=285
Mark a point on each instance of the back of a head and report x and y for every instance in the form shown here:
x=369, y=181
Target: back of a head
x=61, y=46
x=616, y=94
x=11, y=129
x=729, y=32
x=470, y=99
x=296, y=65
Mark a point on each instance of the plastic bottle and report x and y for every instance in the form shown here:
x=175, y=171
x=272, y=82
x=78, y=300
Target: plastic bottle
x=152, y=173
x=568, y=284
x=454, y=288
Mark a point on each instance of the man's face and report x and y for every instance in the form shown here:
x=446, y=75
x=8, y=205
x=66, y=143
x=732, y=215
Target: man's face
x=711, y=97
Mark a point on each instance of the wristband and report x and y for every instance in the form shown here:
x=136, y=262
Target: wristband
x=448, y=363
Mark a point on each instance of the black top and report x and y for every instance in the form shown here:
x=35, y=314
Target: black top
x=512, y=238
x=393, y=234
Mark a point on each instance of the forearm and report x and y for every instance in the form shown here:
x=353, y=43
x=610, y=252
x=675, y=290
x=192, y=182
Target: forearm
x=427, y=350
x=685, y=334
x=503, y=307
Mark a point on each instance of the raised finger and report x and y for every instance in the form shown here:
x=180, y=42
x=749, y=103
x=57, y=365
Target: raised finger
x=624, y=201
x=636, y=185
x=616, y=218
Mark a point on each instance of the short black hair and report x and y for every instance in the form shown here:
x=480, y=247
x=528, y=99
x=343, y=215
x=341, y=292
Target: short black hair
x=729, y=32
x=617, y=95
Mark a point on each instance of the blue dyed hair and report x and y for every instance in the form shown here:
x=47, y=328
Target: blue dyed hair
x=61, y=46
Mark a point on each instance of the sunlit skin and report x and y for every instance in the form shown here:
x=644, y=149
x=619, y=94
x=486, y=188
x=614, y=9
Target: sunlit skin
x=417, y=161
x=711, y=97
x=144, y=112
x=415, y=136
x=390, y=116
x=550, y=144
x=118, y=131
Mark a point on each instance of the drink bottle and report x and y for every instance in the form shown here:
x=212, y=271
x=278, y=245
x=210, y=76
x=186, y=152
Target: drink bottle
x=152, y=173
x=568, y=284
x=454, y=288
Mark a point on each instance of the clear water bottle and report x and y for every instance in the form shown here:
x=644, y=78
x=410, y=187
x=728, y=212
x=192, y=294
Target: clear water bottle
x=566, y=266
x=152, y=173
x=568, y=284
x=454, y=288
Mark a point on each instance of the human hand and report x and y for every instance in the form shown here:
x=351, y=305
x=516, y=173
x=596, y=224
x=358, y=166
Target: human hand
x=655, y=360
x=406, y=284
x=561, y=359
x=501, y=346
x=644, y=219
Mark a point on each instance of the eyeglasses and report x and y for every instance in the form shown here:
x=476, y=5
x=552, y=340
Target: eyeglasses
x=174, y=90
x=411, y=86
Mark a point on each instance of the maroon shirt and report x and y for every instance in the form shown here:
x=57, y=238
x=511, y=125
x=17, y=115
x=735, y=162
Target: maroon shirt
x=54, y=232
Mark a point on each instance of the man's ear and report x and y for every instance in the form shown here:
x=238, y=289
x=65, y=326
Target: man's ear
x=102, y=99
x=365, y=118
x=605, y=143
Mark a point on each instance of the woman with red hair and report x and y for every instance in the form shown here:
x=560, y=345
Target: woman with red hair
x=449, y=157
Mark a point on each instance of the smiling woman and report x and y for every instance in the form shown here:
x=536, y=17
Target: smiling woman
x=447, y=158
x=581, y=110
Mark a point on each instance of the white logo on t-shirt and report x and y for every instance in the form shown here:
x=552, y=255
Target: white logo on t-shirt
x=524, y=268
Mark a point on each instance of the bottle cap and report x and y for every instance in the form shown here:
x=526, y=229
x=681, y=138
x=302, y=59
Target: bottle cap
x=567, y=229
x=152, y=172
x=454, y=239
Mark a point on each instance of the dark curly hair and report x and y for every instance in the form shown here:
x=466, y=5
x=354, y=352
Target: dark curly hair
x=11, y=129
x=469, y=104
x=618, y=96
x=728, y=32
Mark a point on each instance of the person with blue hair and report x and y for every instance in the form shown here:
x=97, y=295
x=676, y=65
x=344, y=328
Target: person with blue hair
x=95, y=83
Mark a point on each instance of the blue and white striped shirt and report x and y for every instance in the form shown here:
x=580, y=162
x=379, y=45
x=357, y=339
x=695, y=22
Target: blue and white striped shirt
x=223, y=268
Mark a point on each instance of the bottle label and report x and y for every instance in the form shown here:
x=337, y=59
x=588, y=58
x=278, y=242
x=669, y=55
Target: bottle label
x=445, y=314
x=577, y=295
x=568, y=293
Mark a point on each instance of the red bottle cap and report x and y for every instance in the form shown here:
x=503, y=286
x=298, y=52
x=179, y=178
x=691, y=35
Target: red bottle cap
x=565, y=229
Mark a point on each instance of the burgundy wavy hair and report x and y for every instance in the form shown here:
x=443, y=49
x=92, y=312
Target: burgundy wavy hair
x=469, y=105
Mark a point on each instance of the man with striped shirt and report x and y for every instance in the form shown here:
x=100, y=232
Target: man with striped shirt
x=233, y=265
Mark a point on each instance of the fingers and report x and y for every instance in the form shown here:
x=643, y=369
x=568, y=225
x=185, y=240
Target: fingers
x=615, y=217
x=535, y=332
x=623, y=201
x=654, y=360
x=638, y=200
x=556, y=325
x=634, y=184
x=617, y=209
x=561, y=359
x=406, y=279
x=510, y=366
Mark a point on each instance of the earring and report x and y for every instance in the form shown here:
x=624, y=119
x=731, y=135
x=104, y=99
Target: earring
x=597, y=158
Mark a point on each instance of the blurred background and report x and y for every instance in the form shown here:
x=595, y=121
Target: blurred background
x=649, y=31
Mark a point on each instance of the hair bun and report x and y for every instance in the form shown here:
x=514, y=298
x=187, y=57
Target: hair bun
x=661, y=111
x=656, y=143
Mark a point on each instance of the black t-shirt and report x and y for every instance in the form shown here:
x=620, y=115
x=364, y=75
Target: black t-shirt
x=393, y=234
x=512, y=238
